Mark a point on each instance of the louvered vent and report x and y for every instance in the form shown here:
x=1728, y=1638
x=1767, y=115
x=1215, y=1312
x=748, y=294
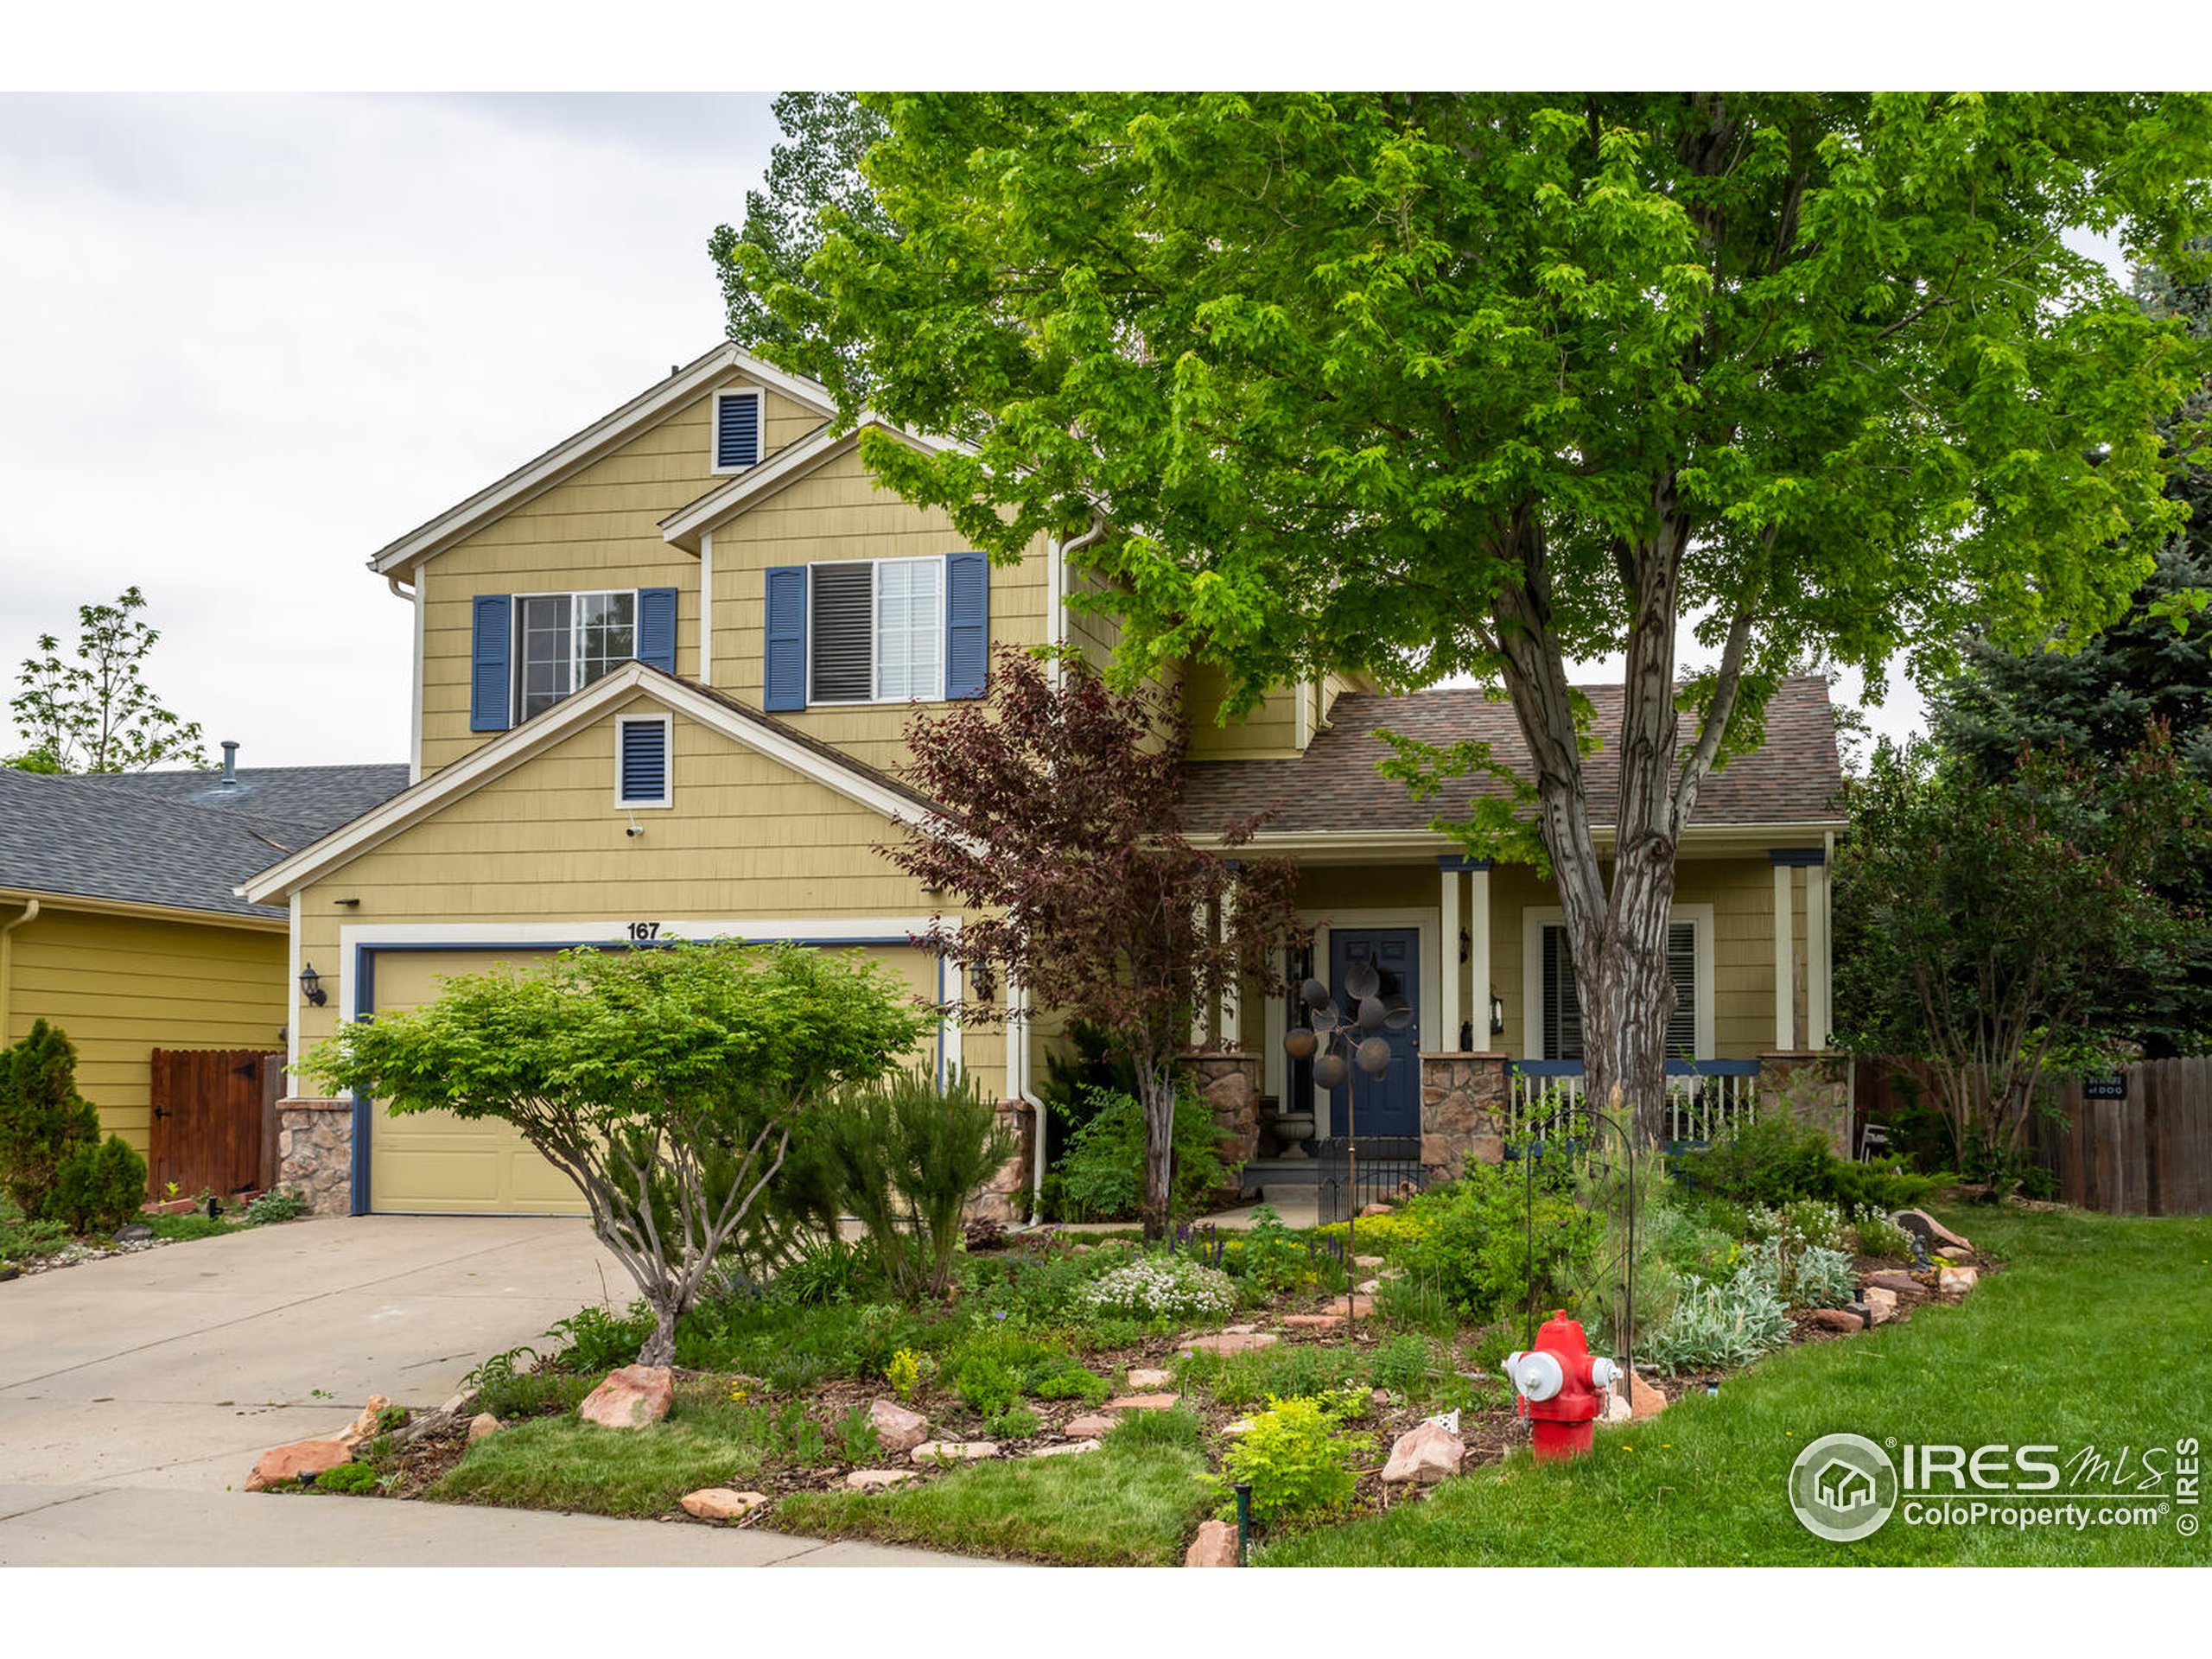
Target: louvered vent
x=644, y=762
x=737, y=429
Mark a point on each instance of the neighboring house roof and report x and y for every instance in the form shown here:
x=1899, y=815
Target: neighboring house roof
x=1794, y=777
x=177, y=840
x=762, y=733
x=609, y=432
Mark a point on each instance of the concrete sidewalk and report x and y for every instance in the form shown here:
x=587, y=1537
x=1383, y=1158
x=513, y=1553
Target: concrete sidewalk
x=135, y=1392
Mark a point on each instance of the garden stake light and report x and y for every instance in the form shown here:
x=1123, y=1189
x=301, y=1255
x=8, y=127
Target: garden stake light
x=1244, y=1523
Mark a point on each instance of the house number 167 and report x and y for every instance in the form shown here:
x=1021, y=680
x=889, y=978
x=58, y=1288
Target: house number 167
x=640, y=931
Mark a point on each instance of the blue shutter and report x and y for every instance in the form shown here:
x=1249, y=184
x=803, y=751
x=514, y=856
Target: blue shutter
x=644, y=761
x=967, y=623
x=784, y=683
x=489, y=675
x=737, y=429
x=657, y=628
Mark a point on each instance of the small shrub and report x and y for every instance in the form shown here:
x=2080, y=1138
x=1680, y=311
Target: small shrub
x=277, y=1204
x=1299, y=1459
x=1176, y=1426
x=1173, y=1288
x=1405, y=1366
x=824, y=1277
x=1016, y=1422
x=1270, y=1255
x=1503, y=1234
x=348, y=1477
x=1823, y=1278
x=1408, y=1304
x=1768, y=1159
x=1116, y=1332
x=857, y=1440
x=1101, y=1176
x=43, y=1119
x=1288, y=1371
x=904, y=1373
x=1073, y=1382
x=1720, y=1325
x=1874, y=1233
x=600, y=1340
x=98, y=1188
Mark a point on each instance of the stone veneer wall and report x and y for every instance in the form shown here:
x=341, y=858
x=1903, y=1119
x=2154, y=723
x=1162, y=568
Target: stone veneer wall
x=1814, y=1088
x=314, y=1153
x=1463, y=1100
x=1005, y=1196
x=1229, y=1084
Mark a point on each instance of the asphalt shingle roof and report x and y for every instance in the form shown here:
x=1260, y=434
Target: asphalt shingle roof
x=177, y=838
x=1793, y=777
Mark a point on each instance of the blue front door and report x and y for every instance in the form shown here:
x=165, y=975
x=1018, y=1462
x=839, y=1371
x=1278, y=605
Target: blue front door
x=1389, y=1104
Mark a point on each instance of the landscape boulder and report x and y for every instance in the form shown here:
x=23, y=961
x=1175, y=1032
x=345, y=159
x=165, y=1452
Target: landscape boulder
x=296, y=1461
x=1904, y=1286
x=364, y=1426
x=1881, y=1304
x=1215, y=1546
x=1424, y=1454
x=637, y=1396
x=1960, y=1280
x=896, y=1429
x=720, y=1504
x=481, y=1424
x=1836, y=1319
x=1931, y=1233
x=1644, y=1399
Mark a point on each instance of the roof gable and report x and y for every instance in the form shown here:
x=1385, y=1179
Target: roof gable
x=794, y=462
x=744, y=724
x=694, y=380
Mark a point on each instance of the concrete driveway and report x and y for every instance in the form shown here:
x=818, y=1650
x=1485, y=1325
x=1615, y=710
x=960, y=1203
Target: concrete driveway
x=137, y=1392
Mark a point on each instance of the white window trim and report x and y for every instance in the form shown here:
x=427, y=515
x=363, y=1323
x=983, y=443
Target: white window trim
x=667, y=724
x=1535, y=919
x=714, y=429
x=875, y=567
x=516, y=664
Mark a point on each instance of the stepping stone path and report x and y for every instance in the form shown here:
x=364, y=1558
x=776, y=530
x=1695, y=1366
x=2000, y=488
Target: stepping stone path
x=1231, y=1342
x=1069, y=1449
x=1367, y=1261
x=1089, y=1426
x=955, y=1451
x=1370, y=1286
x=1313, y=1321
x=720, y=1504
x=874, y=1480
x=1143, y=1402
x=1144, y=1380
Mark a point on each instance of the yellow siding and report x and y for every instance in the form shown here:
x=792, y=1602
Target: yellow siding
x=1096, y=633
x=122, y=987
x=745, y=839
x=598, y=529
x=837, y=513
x=1270, y=730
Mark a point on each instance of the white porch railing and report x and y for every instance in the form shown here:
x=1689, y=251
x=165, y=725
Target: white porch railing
x=1705, y=1098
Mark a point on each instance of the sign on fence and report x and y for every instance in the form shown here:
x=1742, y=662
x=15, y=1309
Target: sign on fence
x=2105, y=1085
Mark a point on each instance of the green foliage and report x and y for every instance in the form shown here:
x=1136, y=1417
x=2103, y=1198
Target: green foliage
x=354, y=1477
x=1873, y=1233
x=21, y=1239
x=95, y=713
x=993, y=1364
x=1016, y=1422
x=663, y=1082
x=1163, y=1287
x=1290, y=1371
x=278, y=1203
x=1101, y=1176
x=904, y=1374
x=1773, y=1158
x=907, y=1155
x=98, y=1188
x=509, y=1390
x=1074, y=1382
x=858, y=1442
x=1491, y=1241
x=1822, y=1278
x=1720, y=1325
x=1407, y=1365
x=43, y=1119
x=600, y=1340
x=1175, y=1429
x=1996, y=929
x=1299, y=1458
x=1269, y=1255
x=1404, y=1303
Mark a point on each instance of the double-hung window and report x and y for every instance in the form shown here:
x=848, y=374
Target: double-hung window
x=876, y=631
x=565, y=641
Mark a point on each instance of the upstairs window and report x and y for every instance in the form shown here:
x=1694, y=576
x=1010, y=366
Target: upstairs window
x=737, y=430
x=876, y=631
x=565, y=641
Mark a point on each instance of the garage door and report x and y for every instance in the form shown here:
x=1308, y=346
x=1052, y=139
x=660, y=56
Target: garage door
x=436, y=1163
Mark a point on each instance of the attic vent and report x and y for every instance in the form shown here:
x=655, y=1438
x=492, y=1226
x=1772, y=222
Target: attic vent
x=641, y=761
x=737, y=430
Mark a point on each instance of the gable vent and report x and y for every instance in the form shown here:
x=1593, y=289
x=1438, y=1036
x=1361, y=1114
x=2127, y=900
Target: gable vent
x=737, y=429
x=642, y=763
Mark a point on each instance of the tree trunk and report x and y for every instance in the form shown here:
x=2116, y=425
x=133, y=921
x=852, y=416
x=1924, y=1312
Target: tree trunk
x=1156, y=1094
x=1628, y=994
x=660, y=1347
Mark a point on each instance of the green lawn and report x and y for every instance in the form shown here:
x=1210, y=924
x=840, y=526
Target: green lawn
x=2100, y=1334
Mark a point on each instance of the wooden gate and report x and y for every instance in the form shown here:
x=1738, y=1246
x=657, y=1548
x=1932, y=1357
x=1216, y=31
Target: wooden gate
x=214, y=1120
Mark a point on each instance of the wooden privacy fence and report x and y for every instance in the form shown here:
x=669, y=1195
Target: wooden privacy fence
x=2147, y=1153
x=214, y=1120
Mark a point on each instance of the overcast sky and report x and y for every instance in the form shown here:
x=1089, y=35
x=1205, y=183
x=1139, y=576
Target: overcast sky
x=247, y=340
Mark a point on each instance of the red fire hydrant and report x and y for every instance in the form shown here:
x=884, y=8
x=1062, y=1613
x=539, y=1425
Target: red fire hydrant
x=1562, y=1387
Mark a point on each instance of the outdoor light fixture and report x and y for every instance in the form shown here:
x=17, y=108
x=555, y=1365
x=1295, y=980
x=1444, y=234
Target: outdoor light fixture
x=985, y=982
x=311, y=987
x=1497, y=1012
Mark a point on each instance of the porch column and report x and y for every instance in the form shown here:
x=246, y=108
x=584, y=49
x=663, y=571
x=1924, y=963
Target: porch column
x=1785, y=955
x=1232, y=1020
x=1819, y=963
x=1478, y=955
x=1201, y=1016
x=1320, y=1103
x=1447, y=949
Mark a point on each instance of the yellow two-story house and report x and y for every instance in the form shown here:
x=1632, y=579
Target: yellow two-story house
x=661, y=674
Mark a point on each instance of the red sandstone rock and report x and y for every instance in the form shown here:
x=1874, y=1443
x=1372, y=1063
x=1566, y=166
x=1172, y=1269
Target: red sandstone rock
x=299, y=1459
x=1215, y=1546
x=637, y=1396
